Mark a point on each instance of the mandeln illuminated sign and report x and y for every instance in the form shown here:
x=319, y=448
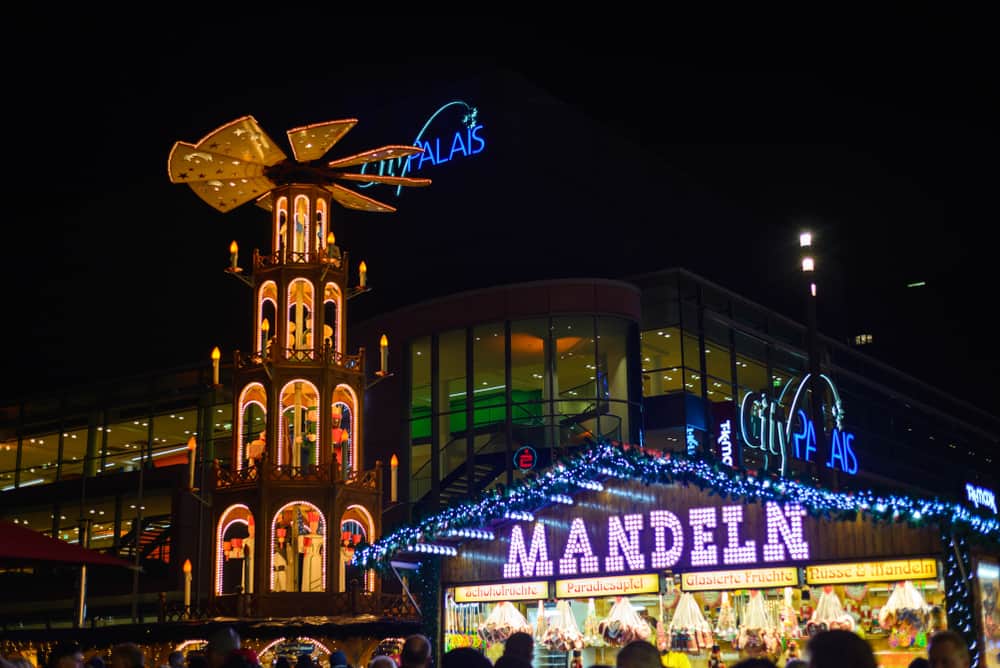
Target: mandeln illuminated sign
x=671, y=539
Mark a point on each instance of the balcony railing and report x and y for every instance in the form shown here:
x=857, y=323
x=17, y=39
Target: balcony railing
x=226, y=477
x=333, y=359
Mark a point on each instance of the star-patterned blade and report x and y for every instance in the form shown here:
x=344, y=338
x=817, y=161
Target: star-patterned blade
x=375, y=154
x=188, y=164
x=226, y=195
x=391, y=180
x=352, y=200
x=243, y=140
x=311, y=142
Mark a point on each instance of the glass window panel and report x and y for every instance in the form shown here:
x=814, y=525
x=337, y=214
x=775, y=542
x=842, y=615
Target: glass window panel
x=692, y=357
x=786, y=366
x=751, y=362
x=420, y=378
x=126, y=440
x=74, y=452
x=718, y=362
x=528, y=378
x=489, y=373
x=661, y=360
x=173, y=429
x=576, y=370
x=451, y=370
x=8, y=462
x=612, y=341
x=38, y=459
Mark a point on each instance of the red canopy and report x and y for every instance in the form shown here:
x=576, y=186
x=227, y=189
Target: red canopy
x=21, y=545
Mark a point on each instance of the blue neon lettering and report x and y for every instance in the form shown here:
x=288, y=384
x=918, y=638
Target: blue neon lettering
x=482, y=142
x=457, y=142
x=428, y=154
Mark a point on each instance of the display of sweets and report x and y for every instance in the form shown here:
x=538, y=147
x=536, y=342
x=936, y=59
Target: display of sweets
x=504, y=621
x=905, y=616
x=788, y=618
x=562, y=633
x=757, y=632
x=623, y=625
x=689, y=631
x=591, y=636
x=725, y=627
x=829, y=614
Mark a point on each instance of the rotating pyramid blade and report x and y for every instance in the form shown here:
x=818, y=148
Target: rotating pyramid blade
x=352, y=200
x=375, y=154
x=391, y=180
x=244, y=140
x=311, y=142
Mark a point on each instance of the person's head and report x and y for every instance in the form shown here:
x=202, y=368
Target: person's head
x=919, y=662
x=464, y=657
x=66, y=655
x=838, y=648
x=176, y=659
x=282, y=662
x=416, y=652
x=383, y=661
x=93, y=662
x=338, y=659
x=638, y=654
x=796, y=663
x=305, y=661
x=197, y=660
x=947, y=649
x=127, y=655
x=755, y=663
x=520, y=644
x=221, y=644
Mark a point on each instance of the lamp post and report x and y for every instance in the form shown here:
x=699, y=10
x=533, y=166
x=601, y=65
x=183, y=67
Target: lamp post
x=808, y=263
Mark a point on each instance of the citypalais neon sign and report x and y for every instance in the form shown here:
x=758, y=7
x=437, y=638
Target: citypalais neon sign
x=763, y=427
x=658, y=540
x=466, y=141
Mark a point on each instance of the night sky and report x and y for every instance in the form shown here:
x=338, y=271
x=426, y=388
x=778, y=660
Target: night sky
x=601, y=161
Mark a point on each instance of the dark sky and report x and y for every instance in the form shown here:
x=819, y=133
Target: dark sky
x=611, y=152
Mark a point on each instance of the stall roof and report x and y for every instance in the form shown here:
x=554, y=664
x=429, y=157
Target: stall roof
x=21, y=546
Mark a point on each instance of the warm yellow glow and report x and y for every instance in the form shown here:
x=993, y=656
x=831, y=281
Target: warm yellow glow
x=394, y=461
x=187, y=565
x=215, y=353
x=330, y=239
x=383, y=342
x=266, y=325
x=808, y=264
x=363, y=268
x=233, y=248
x=192, y=444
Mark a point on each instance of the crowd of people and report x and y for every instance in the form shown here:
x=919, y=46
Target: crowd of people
x=827, y=649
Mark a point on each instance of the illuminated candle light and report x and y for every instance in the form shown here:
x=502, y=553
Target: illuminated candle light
x=192, y=446
x=265, y=327
x=383, y=347
x=233, y=255
x=329, y=244
x=187, y=584
x=215, y=365
x=363, y=274
x=393, y=478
